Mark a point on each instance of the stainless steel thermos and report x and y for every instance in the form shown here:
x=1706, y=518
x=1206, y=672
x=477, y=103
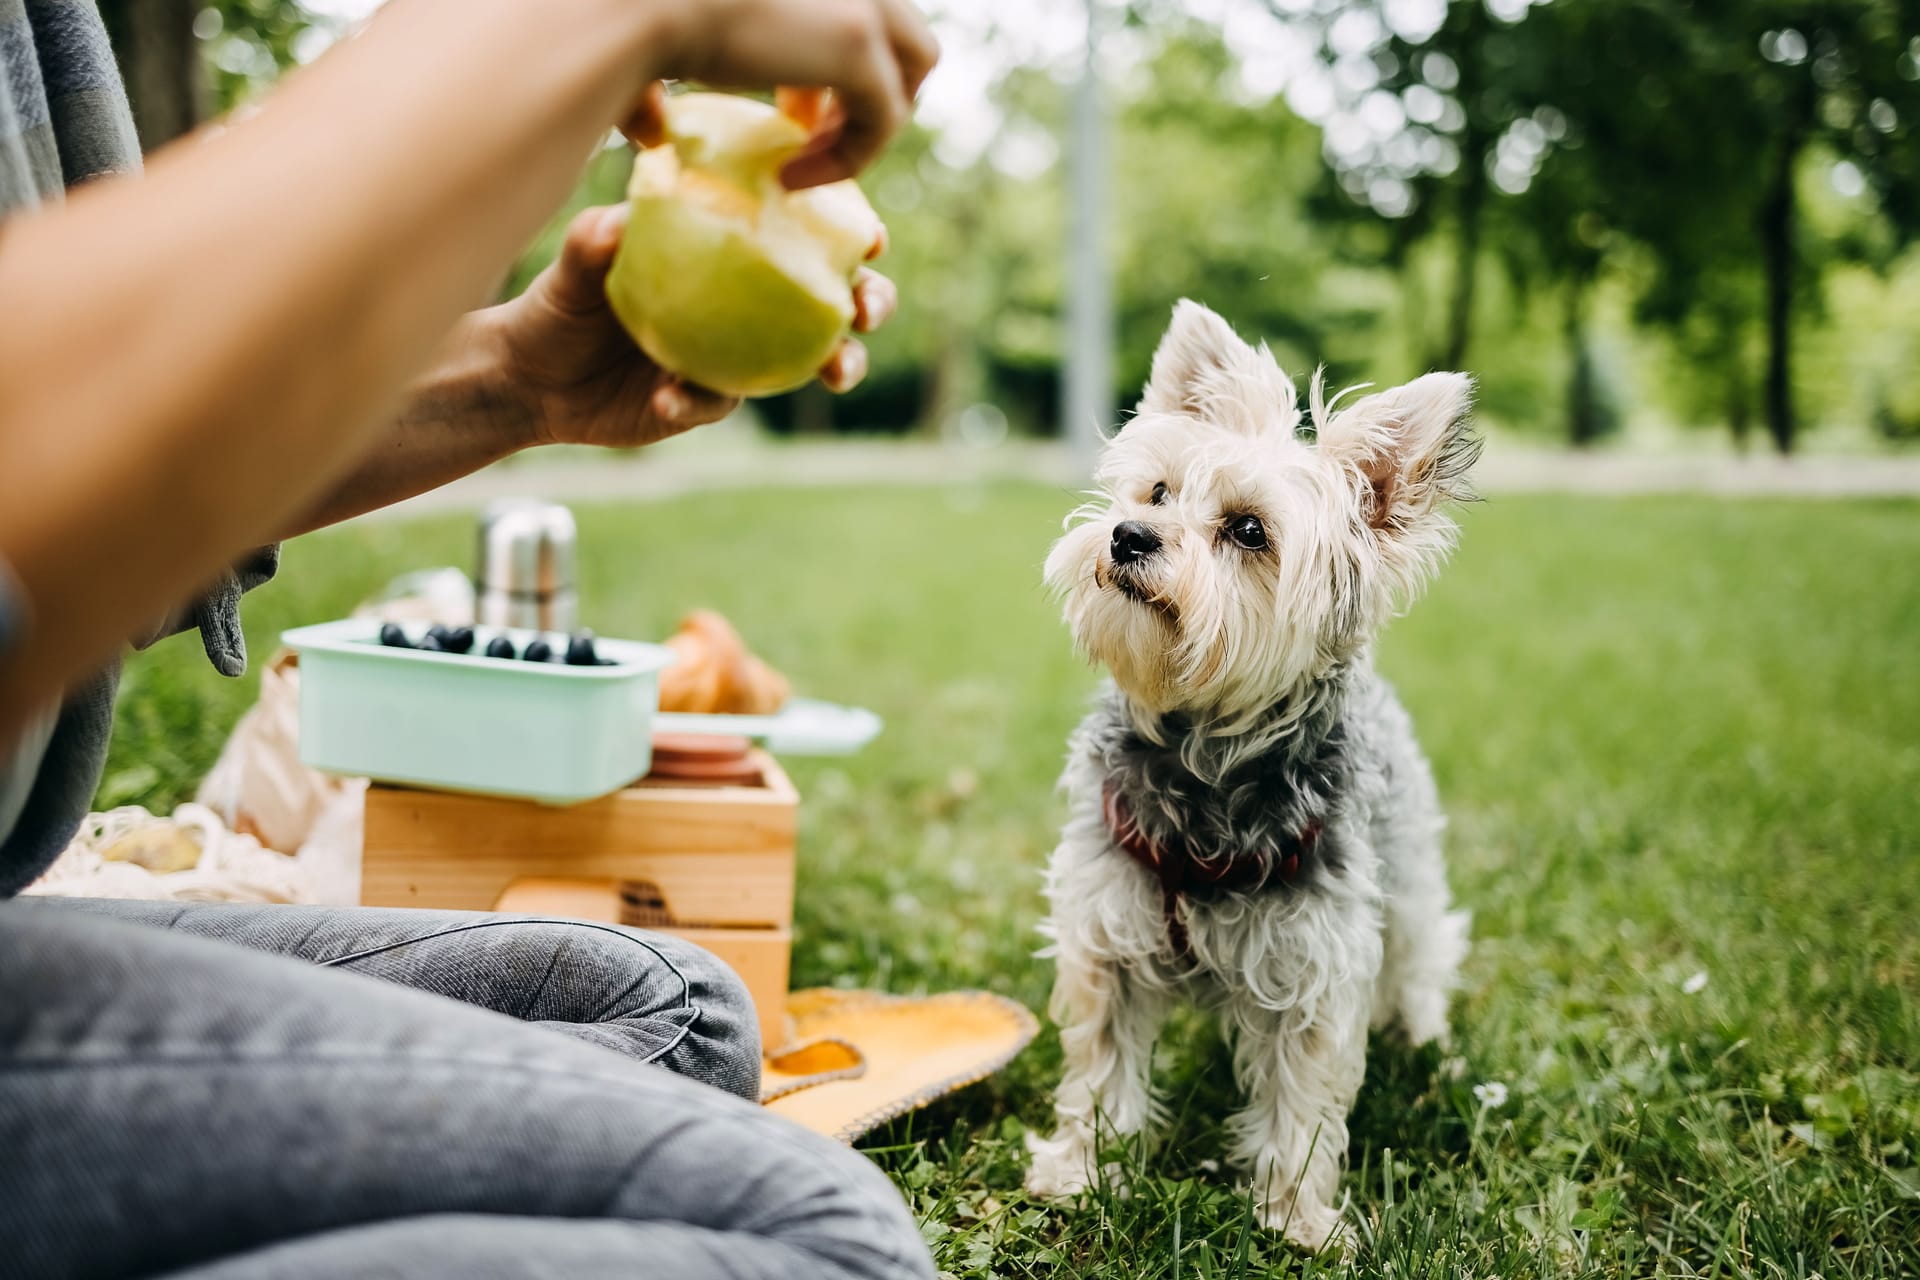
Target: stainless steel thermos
x=525, y=573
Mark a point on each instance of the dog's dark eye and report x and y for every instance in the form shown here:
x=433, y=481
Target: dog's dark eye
x=1248, y=532
x=1159, y=493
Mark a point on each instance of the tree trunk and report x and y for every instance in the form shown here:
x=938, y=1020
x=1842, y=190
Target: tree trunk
x=1470, y=26
x=1776, y=251
x=1726, y=354
x=1584, y=423
x=812, y=411
x=953, y=377
x=1413, y=295
x=160, y=61
x=1473, y=198
x=1739, y=407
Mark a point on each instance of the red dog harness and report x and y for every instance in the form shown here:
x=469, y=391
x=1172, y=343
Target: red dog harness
x=1179, y=871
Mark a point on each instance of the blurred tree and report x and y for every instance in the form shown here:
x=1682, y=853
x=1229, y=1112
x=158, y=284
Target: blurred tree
x=1577, y=178
x=1704, y=163
x=184, y=60
x=1210, y=206
x=1210, y=203
x=1465, y=64
x=160, y=60
x=1467, y=99
x=1486, y=183
x=1843, y=75
x=975, y=250
x=1435, y=101
x=250, y=43
x=1460, y=130
x=1681, y=126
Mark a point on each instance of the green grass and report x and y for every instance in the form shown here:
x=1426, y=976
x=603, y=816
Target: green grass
x=1676, y=737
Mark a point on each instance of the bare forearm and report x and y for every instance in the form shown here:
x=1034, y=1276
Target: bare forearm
x=463, y=414
x=190, y=361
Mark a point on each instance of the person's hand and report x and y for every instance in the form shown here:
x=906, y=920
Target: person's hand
x=584, y=379
x=870, y=54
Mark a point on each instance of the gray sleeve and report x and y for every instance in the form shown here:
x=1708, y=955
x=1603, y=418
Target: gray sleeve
x=217, y=612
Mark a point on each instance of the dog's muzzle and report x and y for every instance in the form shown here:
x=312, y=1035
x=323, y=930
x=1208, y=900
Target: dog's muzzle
x=1133, y=541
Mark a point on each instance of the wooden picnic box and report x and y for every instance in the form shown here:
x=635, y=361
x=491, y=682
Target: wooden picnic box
x=709, y=862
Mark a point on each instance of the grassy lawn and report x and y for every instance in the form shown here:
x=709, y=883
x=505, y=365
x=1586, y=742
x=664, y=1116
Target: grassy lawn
x=1680, y=741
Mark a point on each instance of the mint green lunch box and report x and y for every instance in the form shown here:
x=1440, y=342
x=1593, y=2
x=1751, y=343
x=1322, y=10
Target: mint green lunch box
x=466, y=722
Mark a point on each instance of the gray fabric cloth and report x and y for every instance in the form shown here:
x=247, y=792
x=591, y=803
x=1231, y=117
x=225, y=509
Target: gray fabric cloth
x=216, y=615
x=61, y=792
x=21, y=765
x=173, y=1104
x=64, y=120
x=63, y=114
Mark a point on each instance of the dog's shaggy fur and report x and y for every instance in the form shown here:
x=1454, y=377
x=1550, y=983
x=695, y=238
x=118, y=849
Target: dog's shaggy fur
x=1231, y=576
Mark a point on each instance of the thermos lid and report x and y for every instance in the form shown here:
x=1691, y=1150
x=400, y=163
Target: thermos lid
x=527, y=549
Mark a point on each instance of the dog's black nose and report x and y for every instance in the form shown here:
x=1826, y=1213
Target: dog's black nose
x=1132, y=541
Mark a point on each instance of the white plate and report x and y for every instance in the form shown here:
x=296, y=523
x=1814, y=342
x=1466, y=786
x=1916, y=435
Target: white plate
x=804, y=727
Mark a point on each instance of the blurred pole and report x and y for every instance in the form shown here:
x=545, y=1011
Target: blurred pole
x=1089, y=338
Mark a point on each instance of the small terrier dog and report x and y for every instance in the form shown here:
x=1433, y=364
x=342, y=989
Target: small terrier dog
x=1253, y=826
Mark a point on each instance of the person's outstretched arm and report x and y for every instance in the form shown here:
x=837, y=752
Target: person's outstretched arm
x=552, y=366
x=191, y=360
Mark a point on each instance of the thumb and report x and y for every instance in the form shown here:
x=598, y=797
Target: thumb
x=578, y=278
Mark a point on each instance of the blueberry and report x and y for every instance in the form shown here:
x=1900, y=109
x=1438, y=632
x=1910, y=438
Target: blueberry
x=461, y=641
x=580, y=651
x=394, y=636
x=441, y=635
x=538, y=651
x=431, y=644
x=500, y=647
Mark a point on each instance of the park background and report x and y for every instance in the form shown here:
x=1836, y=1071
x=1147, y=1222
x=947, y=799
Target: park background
x=1671, y=684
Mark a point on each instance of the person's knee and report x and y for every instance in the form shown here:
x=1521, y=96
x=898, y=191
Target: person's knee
x=651, y=996
x=857, y=1220
x=824, y=1207
x=722, y=1045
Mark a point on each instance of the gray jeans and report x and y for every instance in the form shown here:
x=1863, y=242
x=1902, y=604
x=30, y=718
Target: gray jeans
x=401, y=1093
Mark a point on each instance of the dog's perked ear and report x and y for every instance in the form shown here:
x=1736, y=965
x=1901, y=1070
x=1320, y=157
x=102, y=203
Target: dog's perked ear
x=1409, y=448
x=1204, y=369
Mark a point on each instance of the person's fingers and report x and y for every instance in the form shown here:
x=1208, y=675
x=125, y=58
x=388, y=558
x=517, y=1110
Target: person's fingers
x=577, y=281
x=647, y=126
x=880, y=242
x=845, y=368
x=679, y=405
x=875, y=299
x=601, y=238
x=842, y=153
x=824, y=130
x=873, y=105
x=913, y=41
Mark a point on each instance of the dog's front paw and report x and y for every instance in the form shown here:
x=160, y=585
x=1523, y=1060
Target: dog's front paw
x=1062, y=1166
x=1317, y=1228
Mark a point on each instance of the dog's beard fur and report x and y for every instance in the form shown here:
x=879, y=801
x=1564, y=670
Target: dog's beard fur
x=1354, y=522
x=1246, y=711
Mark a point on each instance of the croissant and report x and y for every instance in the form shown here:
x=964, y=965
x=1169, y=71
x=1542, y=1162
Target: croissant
x=713, y=672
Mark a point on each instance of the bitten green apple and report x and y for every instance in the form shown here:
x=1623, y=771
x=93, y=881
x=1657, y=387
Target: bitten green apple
x=724, y=276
